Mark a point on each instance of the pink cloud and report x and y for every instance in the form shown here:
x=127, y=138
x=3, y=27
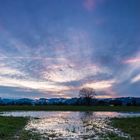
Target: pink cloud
x=132, y=60
x=91, y=4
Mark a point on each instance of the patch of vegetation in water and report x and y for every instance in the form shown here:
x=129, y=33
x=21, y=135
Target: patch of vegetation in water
x=113, y=136
x=130, y=125
x=10, y=126
x=29, y=135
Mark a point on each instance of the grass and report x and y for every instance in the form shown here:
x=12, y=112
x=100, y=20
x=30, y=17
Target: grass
x=10, y=126
x=128, y=125
x=69, y=108
x=112, y=136
x=28, y=135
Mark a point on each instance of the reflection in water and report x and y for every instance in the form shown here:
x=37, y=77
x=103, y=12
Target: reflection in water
x=71, y=125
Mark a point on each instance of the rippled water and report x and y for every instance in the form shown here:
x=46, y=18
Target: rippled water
x=71, y=125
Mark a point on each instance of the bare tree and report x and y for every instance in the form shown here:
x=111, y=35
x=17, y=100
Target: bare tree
x=87, y=94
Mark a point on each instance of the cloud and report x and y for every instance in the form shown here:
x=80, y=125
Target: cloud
x=132, y=60
x=71, y=72
x=16, y=92
x=106, y=93
x=136, y=79
x=32, y=84
x=64, y=52
x=70, y=62
x=100, y=85
x=91, y=4
x=10, y=71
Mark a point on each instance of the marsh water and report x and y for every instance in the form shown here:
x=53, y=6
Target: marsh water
x=71, y=125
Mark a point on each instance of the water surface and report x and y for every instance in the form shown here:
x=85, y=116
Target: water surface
x=71, y=125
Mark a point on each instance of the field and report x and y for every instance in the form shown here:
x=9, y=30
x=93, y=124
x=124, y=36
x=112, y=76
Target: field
x=12, y=128
x=69, y=108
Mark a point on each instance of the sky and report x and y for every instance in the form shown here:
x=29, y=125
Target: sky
x=53, y=48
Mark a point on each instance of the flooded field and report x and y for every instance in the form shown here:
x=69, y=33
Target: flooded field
x=71, y=125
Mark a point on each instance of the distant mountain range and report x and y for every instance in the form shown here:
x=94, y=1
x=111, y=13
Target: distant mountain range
x=71, y=101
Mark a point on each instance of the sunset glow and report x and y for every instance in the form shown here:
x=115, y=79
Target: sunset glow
x=53, y=48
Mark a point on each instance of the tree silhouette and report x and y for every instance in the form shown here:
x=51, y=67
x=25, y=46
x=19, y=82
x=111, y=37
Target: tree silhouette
x=87, y=94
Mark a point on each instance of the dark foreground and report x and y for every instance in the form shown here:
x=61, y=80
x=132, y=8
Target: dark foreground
x=128, y=125
x=12, y=128
x=69, y=108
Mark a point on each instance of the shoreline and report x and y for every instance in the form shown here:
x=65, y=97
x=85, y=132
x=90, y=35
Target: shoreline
x=69, y=108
